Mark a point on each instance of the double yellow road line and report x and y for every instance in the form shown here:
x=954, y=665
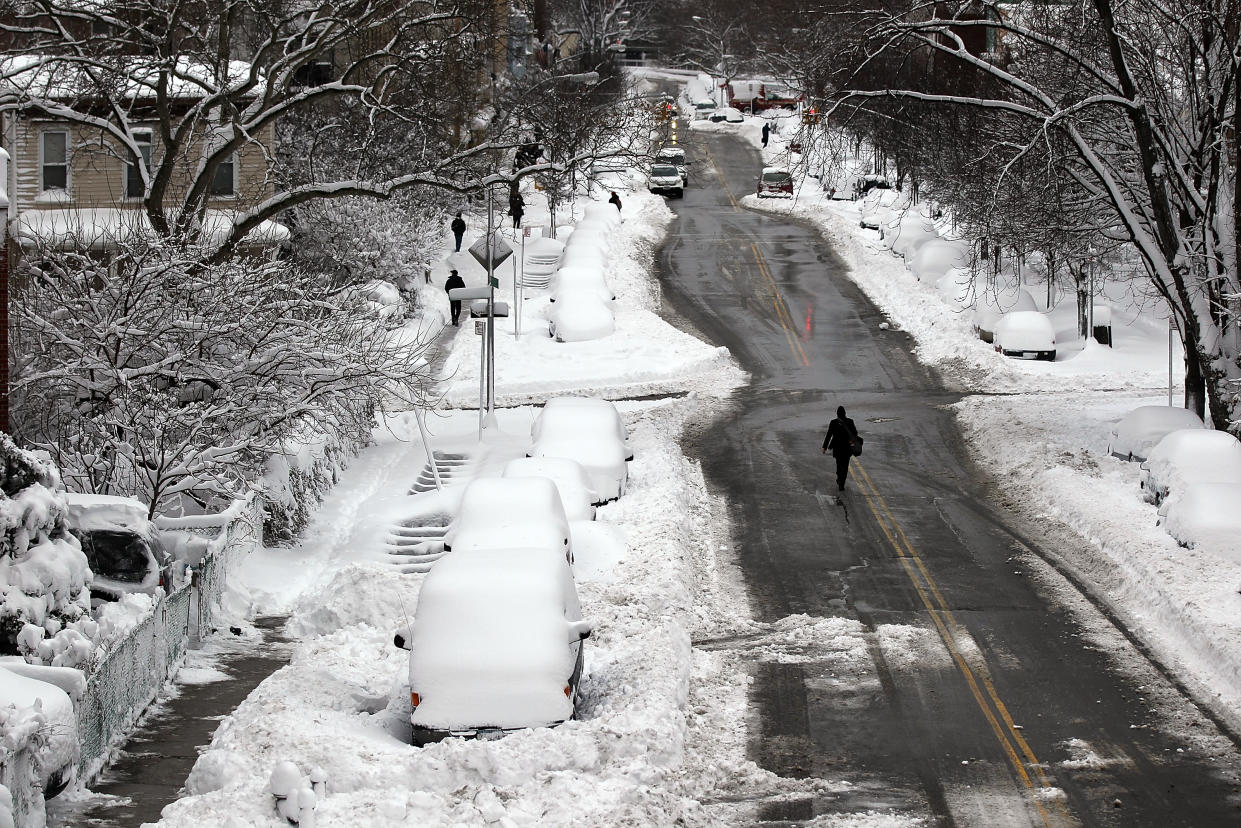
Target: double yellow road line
x=782, y=309
x=1020, y=756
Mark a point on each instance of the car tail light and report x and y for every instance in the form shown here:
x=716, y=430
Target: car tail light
x=568, y=691
x=414, y=699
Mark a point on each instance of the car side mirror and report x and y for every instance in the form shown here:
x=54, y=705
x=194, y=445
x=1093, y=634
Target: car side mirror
x=403, y=639
x=580, y=630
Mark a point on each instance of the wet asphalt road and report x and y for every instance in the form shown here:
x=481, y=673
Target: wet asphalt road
x=982, y=736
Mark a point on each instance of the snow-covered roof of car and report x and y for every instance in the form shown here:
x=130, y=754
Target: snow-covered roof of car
x=490, y=640
x=93, y=511
x=1137, y=432
x=576, y=492
x=1193, y=455
x=498, y=512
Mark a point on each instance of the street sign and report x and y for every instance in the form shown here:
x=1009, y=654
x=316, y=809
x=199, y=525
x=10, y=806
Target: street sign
x=525, y=232
x=495, y=281
x=480, y=327
x=479, y=308
x=497, y=251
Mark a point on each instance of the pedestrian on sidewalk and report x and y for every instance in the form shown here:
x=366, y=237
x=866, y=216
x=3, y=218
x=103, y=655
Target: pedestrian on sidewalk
x=458, y=230
x=766, y=133
x=843, y=441
x=615, y=199
x=516, y=208
x=454, y=305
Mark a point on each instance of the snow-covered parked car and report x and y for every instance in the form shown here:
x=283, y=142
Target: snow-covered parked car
x=704, y=109
x=495, y=645
x=578, y=278
x=36, y=711
x=774, y=182
x=582, y=435
x=992, y=302
x=1025, y=334
x=579, y=315
x=589, y=253
x=1205, y=515
x=124, y=549
x=594, y=413
x=577, y=495
x=601, y=213
x=727, y=114
x=1188, y=456
x=676, y=157
x=499, y=512
x=875, y=209
x=909, y=231
x=1136, y=433
x=936, y=257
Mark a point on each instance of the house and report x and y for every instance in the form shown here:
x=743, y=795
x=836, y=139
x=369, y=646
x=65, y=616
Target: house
x=89, y=155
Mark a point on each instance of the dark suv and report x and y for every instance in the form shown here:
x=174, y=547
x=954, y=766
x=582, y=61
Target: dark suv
x=124, y=549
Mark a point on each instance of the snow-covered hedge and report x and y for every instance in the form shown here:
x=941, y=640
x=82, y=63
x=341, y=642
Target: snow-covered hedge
x=297, y=480
x=44, y=595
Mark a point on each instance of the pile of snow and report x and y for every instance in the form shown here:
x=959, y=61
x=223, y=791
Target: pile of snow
x=937, y=257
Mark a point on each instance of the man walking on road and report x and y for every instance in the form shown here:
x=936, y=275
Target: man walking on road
x=454, y=305
x=766, y=133
x=615, y=200
x=458, y=230
x=843, y=441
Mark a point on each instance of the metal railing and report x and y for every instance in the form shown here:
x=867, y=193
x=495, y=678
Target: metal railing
x=131, y=674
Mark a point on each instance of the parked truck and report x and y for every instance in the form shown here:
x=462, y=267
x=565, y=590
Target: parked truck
x=757, y=96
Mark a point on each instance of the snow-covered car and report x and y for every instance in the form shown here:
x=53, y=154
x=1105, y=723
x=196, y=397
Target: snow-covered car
x=573, y=278
x=704, y=109
x=380, y=299
x=589, y=436
x=593, y=413
x=124, y=549
x=601, y=213
x=991, y=303
x=727, y=114
x=875, y=210
x=579, y=316
x=1025, y=334
x=676, y=157
x=41, y=715
x=936, y=257
x=577, y=496
x=495, y=645
x=1136, y=433
x=1205, y=515
x=775, y=183
x=908, y=232
x=498, y=512
x=587, y=253
x=1188, y=456
x=665, y=179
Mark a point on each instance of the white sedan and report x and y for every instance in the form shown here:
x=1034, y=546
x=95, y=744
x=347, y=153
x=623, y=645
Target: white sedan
x=1188, y=456
x=498, y=512
x=588, y=436
x=1025, y=334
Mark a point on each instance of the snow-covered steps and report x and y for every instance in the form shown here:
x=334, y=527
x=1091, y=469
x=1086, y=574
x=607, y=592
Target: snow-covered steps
x=453, y=468
x=413, y=546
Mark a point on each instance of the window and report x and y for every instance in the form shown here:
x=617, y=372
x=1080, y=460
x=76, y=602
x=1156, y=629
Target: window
x=133, y=176
x=55, y=161
x=225, y=181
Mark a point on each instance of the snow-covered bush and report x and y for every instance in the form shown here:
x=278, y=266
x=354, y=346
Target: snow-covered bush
x=158, y=374
x=44, y=596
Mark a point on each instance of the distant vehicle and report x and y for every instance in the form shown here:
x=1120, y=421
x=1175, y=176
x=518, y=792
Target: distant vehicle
x=1189, y=456
x=1141, y=429
x=498, y=512
x=704, y=109
x=591, y=438
x=1025, y=334
x=775, y=183
x=25, y=686
x=124, y=549
x=665, y=179
x=676, y=157
x=579, y=316
x=495, y=645
x=729, y=114
x=757, y=96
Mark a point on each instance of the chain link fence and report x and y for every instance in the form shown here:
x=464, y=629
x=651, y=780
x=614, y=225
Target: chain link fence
x=130, y=676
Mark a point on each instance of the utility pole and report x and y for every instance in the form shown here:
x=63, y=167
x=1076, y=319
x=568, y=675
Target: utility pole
x=4, y=290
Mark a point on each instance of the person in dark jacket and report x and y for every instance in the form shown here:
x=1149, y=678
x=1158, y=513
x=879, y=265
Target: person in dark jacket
x=615, y=199
x=766, y=133
x=516, y=208
x=841, y=434
x=458, y=230
x=454, y=305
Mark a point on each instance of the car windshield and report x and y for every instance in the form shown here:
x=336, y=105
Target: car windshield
x=704, y=105
x=776, y=178
x=664, y=171
x=120, y=556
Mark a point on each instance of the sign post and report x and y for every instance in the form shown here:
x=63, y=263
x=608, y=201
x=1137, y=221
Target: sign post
x=4, y=290
x=489, y=251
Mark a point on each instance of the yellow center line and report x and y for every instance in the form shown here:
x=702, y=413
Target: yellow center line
x=782, y=310
x=720, y=172
x=1007, y=733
